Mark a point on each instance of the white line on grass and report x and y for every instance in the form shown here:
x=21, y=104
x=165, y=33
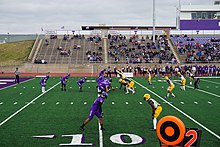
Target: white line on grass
x=192, y=119
x=208, y=77
x=18, y=84
x=27, y=105
x=210, y=81
x=200, y=90
x=100, y=136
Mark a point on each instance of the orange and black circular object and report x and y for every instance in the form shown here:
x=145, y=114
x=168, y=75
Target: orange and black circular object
x=170, y=130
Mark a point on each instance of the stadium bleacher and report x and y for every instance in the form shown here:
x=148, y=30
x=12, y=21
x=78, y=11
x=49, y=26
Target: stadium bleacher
x=72, y=50
x=197, y=48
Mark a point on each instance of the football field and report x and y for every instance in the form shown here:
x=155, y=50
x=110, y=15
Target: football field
x=29, y=118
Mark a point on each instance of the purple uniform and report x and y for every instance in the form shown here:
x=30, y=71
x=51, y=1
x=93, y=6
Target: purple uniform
x=100, y=78
x=64, y=79
x=101, y=73
x=96, y=108
x=103, y=84
x=44, y=80
x=81, y=81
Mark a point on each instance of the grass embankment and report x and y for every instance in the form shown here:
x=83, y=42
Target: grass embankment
x=15, y=52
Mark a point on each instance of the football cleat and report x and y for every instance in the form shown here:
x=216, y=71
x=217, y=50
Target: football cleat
x=152, y=129
x=81, y=128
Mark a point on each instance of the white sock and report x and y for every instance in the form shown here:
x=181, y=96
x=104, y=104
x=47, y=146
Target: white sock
x=131, y=90
x=184, y=88
x=172, y=94
x=190, y=83
x=155, y=123
x=168, y=94
x=127, y=89
x=43, y=89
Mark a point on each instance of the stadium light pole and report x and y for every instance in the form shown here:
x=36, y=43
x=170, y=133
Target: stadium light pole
x=154, y=21
x=8, y=37
x=178, y=15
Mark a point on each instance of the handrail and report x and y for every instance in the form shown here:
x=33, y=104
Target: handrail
x=33, y=48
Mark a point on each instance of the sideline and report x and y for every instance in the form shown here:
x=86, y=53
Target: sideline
x=192, y=119
x=18, y=84
x=7, y=119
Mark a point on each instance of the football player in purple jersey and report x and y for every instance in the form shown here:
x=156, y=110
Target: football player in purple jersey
x=80, y=83
x=64, y=81
x=43, y=83
x=96, y=109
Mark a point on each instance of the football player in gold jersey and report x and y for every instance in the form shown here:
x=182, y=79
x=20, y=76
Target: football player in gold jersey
x=170, y=87
x=183, y=81
x=130, y=87
x=156, y=109
x=149, y=77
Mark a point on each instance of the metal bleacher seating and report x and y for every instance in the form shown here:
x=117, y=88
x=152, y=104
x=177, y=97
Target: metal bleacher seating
x=74, y=48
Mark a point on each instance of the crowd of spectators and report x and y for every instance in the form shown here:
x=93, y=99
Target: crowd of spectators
x=198, y=48
x=94, y=57
x=171, y=70
x=139, y=50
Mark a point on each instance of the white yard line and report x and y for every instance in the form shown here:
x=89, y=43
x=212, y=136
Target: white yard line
x=192, y=119
x=210, y=81
x=27, y=105
x=17, y=84
x=208, y=77
x=199, y=90
x=100, y=136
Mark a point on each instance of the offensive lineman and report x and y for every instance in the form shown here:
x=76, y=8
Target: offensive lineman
x=130, y=87
x=156, y=109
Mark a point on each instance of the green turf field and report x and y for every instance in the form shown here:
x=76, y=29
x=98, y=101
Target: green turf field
x=25, y=112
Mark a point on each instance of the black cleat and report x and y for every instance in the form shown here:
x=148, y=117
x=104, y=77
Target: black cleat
x=81, y=128
x=152, y=129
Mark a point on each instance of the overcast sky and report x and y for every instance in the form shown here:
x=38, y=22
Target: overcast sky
x=29, y=16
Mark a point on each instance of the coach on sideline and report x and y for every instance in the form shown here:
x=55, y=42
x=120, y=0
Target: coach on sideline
x=17, y=75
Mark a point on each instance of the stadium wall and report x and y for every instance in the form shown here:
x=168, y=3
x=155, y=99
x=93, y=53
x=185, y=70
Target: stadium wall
x=200, y=24
x=75, y=70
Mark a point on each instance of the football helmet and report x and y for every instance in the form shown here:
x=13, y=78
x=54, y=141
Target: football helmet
x=147, y=96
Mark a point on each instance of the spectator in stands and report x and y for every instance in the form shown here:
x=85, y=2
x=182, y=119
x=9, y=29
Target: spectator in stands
x=59, y=48
x=46, y=42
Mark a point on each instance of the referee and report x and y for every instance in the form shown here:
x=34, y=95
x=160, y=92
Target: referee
x=17, y=76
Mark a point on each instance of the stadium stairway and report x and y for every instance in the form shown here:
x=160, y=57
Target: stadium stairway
x=173, y=49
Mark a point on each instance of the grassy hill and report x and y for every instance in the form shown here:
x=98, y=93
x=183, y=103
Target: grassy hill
x=15, y=52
